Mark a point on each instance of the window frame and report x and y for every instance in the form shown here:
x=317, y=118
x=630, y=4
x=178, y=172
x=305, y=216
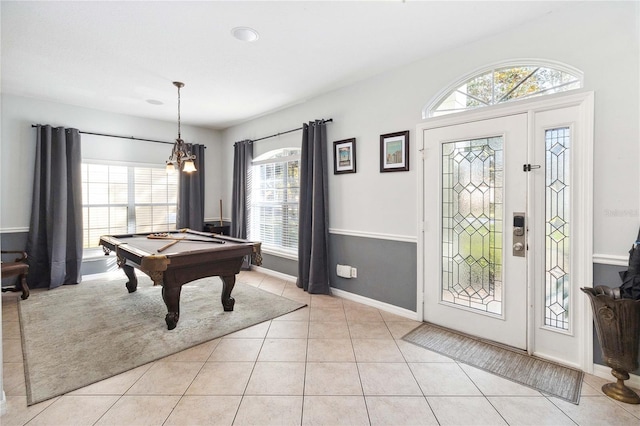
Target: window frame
x=270, y=157
x=90, y=252
x=430, y=109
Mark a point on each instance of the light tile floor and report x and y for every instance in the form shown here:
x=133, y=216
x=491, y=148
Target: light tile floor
x=334, y=362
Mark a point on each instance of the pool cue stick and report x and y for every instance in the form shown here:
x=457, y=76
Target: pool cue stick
x=221, y=212
x=153, y=237
x=219, y=236
x=166, y=246
x=168, y=237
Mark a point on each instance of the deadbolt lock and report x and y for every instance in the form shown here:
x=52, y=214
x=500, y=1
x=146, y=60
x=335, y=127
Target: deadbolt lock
x=519, y=237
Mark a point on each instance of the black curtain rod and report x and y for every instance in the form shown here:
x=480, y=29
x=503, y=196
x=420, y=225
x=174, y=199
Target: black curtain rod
x=329, y=120
x=116, y=136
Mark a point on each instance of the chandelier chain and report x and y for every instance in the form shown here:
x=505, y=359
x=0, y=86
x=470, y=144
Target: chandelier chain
x=179, y=137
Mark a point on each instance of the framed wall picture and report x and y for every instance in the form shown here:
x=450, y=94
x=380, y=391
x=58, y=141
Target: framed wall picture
x=344, y=156
x=394, y=152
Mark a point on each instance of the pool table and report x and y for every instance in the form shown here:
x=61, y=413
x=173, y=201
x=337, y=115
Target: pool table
x=176, y=258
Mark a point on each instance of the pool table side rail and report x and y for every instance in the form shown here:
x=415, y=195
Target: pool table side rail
x=158, y=262
x=256, y=250
x=256, y=254
x=146, y=261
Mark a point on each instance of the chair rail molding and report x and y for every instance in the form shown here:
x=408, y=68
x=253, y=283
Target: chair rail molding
x=374, y=235
x=13, y=230
x=610, y=259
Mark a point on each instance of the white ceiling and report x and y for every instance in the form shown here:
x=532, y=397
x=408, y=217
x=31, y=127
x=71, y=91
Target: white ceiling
x=114, y=56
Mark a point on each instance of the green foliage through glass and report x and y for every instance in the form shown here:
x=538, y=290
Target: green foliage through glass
x=504, y=85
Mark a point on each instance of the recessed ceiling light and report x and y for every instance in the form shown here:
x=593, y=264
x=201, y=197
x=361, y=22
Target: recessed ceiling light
x=155, y=102
x=245, y=34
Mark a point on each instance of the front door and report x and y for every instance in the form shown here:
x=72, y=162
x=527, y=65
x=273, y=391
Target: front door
x=506, y=219
x=475, y=208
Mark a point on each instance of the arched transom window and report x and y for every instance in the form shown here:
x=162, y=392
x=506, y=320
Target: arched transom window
x=504, y=83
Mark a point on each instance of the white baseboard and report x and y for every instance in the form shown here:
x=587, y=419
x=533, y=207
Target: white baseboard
x=275, y=274
x=349, y=296
x=557, y=360
x=376, y=304
x=605, y=372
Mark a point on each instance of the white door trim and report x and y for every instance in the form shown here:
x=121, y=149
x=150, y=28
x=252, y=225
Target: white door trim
x=582, y=202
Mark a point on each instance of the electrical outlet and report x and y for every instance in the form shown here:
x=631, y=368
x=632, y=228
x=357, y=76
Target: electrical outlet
x=343, y=271
x=354, y=273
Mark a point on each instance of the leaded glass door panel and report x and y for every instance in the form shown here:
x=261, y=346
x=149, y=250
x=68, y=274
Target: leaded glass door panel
x=556, y=279
x=474, y=184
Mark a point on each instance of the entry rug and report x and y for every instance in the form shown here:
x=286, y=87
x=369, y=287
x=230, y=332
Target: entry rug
x=77, y=335
x=544, y=376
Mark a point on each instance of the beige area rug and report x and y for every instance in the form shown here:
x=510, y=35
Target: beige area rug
x=517, y=366
x=78, y=335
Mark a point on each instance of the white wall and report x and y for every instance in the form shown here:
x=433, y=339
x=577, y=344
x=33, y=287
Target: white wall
x=18, y=149
x=599, y=38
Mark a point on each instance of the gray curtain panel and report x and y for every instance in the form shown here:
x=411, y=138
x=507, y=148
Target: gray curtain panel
x=242, y=158
x=54, y=242
x=190, y=212
x=313, y=234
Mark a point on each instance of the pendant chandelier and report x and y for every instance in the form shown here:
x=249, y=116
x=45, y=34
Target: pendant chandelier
x=181, y=157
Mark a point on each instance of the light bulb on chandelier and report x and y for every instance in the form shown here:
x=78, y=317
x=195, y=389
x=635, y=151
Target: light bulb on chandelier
x=181, y=157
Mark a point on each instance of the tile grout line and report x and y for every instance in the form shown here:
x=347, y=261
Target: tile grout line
x=255, y=363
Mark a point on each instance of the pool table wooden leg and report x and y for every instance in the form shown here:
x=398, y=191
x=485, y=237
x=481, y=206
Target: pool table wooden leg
x=132, y=284
x=228, y=282
x=171, y=297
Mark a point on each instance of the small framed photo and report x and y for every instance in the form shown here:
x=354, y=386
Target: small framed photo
x=394, y=152
x=344, y=156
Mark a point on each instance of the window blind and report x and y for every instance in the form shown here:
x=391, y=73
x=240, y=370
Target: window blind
x=275, y=193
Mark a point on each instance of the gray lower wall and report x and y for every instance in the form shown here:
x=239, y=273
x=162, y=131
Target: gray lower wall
x=280, y=264
x=387, y=270
x=607, y=275
x=18, y=241
x=12, y=241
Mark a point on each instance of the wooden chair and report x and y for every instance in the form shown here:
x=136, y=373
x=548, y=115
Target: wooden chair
x=17, y=268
